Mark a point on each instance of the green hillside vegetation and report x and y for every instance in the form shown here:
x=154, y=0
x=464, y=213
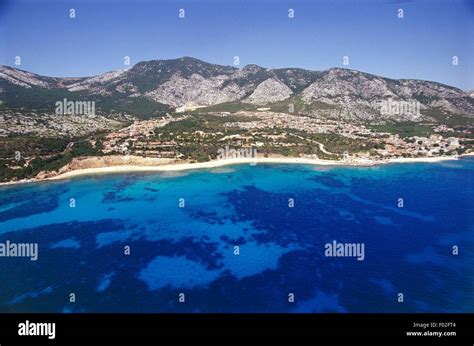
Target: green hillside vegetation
x=231, y=107
x=452, y=120
x=42, y=99
x=404, y=129
x=298, y=106
x=49, y=154
x=140, y=107
x=36, y=98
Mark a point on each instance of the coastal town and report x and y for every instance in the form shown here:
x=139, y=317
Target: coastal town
x=195, y=136
x=269, y=131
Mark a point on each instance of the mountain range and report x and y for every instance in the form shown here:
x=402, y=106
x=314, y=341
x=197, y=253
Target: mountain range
x=156, y=87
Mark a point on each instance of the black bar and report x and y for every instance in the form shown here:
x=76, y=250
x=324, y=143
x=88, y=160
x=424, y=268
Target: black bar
x=315, y=329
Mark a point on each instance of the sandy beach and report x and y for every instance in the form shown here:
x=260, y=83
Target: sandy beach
x=184, y=166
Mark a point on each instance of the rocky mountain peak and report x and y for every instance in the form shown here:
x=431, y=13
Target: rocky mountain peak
x=252, y=68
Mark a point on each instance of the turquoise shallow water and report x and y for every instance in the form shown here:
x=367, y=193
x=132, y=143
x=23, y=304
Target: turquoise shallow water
x=181, y=230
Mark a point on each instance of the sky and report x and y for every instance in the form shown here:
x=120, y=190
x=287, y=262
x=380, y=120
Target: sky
x=420, y=45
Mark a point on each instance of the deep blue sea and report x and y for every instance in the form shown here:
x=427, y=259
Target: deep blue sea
x=182, y=229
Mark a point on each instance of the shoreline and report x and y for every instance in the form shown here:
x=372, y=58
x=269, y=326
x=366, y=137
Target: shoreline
x=185, y=166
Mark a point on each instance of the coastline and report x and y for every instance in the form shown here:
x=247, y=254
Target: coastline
x=185, y=166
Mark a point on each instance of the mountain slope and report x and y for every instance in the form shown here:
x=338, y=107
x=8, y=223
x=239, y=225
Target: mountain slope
x=152, y=88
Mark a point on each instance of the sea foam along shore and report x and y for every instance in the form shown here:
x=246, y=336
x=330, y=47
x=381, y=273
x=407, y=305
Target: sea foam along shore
x=178, y=166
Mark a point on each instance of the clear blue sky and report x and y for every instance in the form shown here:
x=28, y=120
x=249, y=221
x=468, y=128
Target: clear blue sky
x=421, y=45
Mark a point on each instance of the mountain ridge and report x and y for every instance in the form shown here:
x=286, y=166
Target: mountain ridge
x=164, y=85
x=232, y=67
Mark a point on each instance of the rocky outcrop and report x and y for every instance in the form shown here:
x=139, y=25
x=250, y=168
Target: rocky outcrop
x=271, y=90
